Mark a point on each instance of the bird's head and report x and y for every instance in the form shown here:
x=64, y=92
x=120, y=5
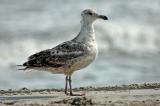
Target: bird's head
x=90, y=16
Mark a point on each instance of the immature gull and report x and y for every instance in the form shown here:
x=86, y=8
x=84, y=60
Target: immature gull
x=71, y=55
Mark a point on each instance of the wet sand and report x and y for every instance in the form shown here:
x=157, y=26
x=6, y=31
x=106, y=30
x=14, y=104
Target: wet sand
x=125, y=95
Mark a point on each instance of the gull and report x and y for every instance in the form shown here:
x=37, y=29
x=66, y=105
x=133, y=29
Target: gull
x=69, y=56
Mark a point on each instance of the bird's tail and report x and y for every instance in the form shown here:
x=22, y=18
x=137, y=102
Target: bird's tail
x=25, y=67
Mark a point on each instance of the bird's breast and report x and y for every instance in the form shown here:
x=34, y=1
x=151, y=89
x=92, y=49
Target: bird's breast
x=87, y=59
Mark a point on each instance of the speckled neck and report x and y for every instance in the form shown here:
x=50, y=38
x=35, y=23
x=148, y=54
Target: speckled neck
x=86, y=33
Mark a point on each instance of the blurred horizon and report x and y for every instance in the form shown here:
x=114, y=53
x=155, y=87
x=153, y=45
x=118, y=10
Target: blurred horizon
x=128, y=43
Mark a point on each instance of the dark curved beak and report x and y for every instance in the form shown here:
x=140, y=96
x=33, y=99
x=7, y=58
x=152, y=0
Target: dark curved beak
x=103, y=17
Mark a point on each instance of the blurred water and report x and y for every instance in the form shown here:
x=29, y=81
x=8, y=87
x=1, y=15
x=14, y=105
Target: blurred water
x=129, y=43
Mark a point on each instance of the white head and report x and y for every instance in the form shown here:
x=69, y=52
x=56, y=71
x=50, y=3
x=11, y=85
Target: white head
x=90, y=16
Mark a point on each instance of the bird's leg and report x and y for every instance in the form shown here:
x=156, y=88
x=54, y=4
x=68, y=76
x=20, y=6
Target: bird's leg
x=66, y=85
x=70, y=85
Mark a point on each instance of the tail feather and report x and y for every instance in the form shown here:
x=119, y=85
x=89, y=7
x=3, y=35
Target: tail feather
x=28, y=64
x=19, y=65
x=23, y=68
x=24, y=65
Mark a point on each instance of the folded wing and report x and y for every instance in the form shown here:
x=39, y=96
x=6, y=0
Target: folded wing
x=58, y=56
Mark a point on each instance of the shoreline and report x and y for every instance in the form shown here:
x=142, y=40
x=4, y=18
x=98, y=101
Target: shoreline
x=147, y=94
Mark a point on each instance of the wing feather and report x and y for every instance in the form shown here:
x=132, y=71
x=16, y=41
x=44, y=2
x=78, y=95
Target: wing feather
x=58, y=56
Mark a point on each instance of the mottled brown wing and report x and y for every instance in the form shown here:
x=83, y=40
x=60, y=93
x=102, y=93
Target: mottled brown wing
x=56, y=57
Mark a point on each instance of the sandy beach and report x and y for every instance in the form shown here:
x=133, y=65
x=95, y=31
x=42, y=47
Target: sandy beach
x=125, y=95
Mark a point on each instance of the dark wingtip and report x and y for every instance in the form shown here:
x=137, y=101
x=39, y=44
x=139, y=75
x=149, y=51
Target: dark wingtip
x=25, y=64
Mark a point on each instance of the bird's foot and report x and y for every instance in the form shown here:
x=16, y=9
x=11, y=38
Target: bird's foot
x=72, y=94
x=67, y=93
x=81, y=94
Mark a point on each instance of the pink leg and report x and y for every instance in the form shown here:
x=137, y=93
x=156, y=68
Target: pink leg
x=71, y=93
x=66, y=85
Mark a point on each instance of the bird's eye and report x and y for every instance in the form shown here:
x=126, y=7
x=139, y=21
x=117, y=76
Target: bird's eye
x=90, y=13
